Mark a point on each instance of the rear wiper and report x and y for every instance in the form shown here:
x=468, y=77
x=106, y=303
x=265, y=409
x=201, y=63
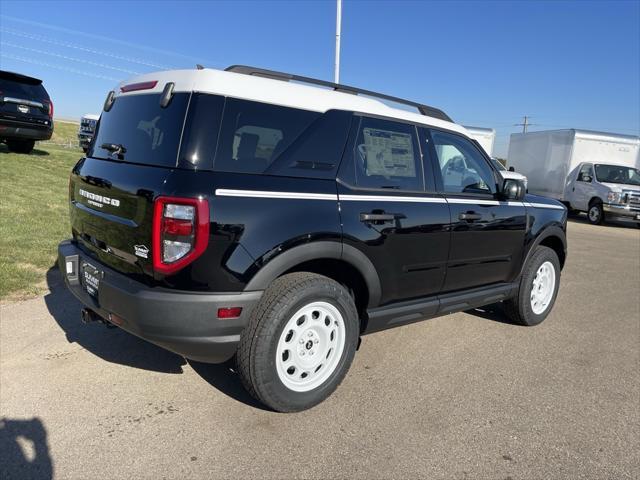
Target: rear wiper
x=116, y=148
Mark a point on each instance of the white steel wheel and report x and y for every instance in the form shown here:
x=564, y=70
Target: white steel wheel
x=544, y=284
x=310, y=346
x=594, y=213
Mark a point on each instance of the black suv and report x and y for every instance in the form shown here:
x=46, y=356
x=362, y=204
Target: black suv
x=26, y=112
x=245, y=213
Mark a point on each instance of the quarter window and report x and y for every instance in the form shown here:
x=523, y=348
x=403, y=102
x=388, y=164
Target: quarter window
x=386, y=155
x=463, y=168
x=254, y=134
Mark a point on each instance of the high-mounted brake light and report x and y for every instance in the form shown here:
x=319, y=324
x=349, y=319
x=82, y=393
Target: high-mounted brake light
x=180, y=232
x=132, y=87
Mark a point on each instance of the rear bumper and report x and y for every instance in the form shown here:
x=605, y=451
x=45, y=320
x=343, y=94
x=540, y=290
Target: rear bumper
x=622, y=212
x=24, y=132
x=183, y=322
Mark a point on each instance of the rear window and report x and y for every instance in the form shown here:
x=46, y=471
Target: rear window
x=23, y=91
x=254, y=134
x=148, y=133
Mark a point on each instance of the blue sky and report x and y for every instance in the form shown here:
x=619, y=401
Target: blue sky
x=566, y=64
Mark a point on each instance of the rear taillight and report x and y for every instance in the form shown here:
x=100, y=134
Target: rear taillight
x=180, y=232
x=50, y=109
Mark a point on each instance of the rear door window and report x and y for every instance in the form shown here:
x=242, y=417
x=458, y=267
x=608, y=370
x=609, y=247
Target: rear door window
x=148, y=133
x=387, y=156
x=254, y=134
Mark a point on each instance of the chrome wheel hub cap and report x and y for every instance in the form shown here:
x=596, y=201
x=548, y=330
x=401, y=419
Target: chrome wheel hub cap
x=310, y=346
x=594, y=214
x=544, y=284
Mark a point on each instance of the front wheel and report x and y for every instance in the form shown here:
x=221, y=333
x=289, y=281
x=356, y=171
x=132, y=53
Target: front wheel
x=300, y=342
x=538, y=288
x=595, y=214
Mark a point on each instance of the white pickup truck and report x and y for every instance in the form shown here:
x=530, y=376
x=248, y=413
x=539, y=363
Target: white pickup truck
x=87, y=128
x=590, y=172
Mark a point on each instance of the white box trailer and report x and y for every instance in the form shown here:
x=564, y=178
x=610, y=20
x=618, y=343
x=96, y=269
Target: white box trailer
x=486, y=137
x=581, y=168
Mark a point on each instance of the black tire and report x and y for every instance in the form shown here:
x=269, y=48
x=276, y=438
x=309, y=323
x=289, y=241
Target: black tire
x=595, y=214
x=20, y=146
x=519, y=308
x=256, y=355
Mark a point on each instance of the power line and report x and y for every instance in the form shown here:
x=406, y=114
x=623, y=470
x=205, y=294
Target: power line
x=65, y=57
x=41, y=38
x=59, y=67
x=525, y=124
x=100, y=38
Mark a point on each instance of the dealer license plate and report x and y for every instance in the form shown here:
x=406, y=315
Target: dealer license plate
x=91, y=279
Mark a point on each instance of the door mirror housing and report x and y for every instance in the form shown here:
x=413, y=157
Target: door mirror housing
x=513, y=189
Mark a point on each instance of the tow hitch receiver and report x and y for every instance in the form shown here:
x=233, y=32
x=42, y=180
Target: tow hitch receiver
x=89, y=316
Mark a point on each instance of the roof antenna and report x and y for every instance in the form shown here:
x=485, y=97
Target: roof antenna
x=199, y=67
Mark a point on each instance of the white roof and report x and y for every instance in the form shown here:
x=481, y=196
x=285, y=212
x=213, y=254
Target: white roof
x=277, y=92
x=480, y=130
x=91, y=116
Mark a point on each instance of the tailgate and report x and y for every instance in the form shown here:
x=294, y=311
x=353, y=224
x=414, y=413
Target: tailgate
x=27, y=112
x=111, y=210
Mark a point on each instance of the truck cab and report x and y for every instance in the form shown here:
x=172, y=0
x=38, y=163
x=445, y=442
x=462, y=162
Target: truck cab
x=86, y=130
x=606, y=191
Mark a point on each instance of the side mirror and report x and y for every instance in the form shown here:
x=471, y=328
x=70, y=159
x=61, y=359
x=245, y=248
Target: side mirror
x=511, y=169
x=513, y=189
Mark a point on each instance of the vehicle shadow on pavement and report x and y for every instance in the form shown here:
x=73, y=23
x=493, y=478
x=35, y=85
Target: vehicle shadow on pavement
x=117, y=346
x=24, y=449
x=492, y=312
x=111, y=344
x=582, y=218
x=224, y=378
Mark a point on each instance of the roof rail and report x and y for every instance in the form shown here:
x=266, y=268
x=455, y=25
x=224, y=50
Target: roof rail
x=261, y=72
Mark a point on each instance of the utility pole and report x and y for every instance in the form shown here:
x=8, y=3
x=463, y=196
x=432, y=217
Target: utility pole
x=336, y=73
x=525, y=123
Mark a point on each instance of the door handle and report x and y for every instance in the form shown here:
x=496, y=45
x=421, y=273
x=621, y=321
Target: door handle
x=469, y=216
x=380, y=217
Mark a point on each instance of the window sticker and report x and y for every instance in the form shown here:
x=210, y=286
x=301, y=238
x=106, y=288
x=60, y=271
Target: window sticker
x=388, y=153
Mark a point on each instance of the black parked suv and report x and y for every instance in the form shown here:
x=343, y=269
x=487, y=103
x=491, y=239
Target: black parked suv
x=251, y=213
x=26, y=112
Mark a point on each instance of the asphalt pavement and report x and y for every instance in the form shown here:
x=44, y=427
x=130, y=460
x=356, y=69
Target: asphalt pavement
x=463, y=396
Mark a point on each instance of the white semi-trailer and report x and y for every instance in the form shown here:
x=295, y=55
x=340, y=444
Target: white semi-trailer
x=591, y=172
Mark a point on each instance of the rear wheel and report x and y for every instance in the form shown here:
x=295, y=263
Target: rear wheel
x=300, y=342
x=538, y=288
x=20, y=146
x=595, y=214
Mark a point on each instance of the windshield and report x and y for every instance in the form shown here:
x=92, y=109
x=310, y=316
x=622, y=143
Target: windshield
x=498, y=165
x=617, y=174
x=138, y=130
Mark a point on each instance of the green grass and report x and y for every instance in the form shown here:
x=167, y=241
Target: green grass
x=65, y=133
x=34, y=215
